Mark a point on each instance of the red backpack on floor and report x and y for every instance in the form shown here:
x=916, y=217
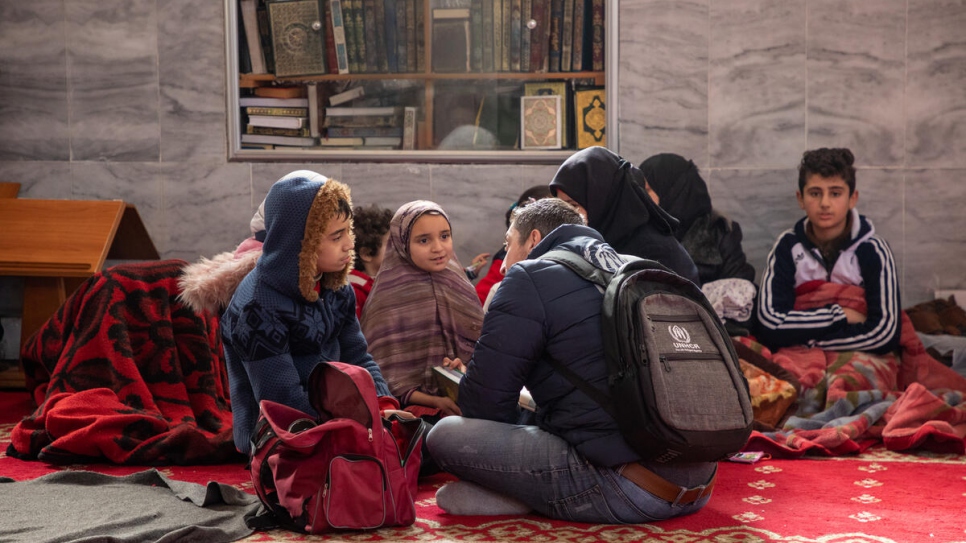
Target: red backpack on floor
x=347, y=470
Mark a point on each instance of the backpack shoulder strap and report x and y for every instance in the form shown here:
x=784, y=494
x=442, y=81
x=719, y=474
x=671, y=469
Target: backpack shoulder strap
x=601, y=278
x=579, y=266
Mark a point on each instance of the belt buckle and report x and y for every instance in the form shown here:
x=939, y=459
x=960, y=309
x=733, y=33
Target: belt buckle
x=681, y=494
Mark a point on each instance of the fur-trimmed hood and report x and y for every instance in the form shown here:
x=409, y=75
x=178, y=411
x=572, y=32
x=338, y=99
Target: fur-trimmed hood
x=298, y=209
x=207, y=285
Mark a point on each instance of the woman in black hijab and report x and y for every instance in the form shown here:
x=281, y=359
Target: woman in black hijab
x=610, y=192
x=712, y=240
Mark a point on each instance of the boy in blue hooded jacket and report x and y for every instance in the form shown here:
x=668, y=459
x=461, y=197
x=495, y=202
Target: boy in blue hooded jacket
x=296, y=308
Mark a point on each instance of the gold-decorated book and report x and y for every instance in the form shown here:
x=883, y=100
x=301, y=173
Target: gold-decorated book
x=591, y=117
x=561, y=89
x=297, y=37
x=540, y=123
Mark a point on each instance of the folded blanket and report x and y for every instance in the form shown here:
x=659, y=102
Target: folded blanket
x=852, y=400
x=124, y=371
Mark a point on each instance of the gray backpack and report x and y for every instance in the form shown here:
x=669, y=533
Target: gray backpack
x=676, y=388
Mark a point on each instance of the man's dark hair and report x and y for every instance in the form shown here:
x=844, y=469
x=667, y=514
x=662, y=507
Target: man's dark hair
x=544, y=216
x=369, y=226
x=827, y=163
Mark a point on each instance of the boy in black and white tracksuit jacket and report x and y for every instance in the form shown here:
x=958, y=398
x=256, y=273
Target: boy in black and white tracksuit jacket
x=862, y=259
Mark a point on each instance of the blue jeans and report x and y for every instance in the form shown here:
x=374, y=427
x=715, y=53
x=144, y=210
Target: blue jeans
x=545, y=472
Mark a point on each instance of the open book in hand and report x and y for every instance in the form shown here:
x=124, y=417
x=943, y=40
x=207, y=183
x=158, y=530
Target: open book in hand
x=448, y=381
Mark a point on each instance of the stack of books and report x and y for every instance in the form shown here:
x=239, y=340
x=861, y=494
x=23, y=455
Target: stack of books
x=379, y=127
x=276, y=121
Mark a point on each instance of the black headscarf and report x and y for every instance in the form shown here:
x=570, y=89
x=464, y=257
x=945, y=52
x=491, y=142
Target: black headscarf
x=611, y=189
x=683, y=192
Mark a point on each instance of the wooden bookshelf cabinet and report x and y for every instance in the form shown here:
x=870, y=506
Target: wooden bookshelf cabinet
x=442, y=100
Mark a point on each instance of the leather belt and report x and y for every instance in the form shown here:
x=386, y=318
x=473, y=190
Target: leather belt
x=661, y=487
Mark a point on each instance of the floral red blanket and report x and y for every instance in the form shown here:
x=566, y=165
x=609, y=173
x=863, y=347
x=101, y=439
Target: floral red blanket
x=853, y=400
x=124, y=372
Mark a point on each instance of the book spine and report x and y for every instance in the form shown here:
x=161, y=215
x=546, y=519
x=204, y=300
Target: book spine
x=498, y=35
x=269, y=131
x=567, y=36
x=378, y=39
x=338, y=35
x=355, y=111
x=539, y=43
x=349, y=28
x=278, y=111
x=409, y=128
x=365, y=131
x=265, y=33
x=359, y=34
x=556, y=21
x=331, y=60
x=476, y=36
x=507, y=34
x=526, y=14
x=401, y=35
x=420, y=36
x=371, y=38
x=392, y=47
x=577, y=63
x=411, y=35
x=361, y=121
x=313, y=92
x=516, y=25
x=487, y=35
x=597, y=39
x=249, y=13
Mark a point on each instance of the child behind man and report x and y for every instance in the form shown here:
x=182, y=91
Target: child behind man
x=295, y=308
x=831, y=244
x=371, y=228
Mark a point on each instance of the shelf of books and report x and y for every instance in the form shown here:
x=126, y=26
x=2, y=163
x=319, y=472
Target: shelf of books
x=498, y=80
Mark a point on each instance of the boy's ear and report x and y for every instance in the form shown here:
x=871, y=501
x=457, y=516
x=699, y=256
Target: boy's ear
x=801, y=201
x=854, y=199
x=365, y=254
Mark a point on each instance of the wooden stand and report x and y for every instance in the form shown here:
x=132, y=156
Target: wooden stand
x=57, y=244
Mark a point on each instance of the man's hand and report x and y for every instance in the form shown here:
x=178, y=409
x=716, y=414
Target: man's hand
x=454, y=364
x=405, y=415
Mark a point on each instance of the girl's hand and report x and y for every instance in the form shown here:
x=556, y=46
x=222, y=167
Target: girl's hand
x=446, y=406
x=454, y=364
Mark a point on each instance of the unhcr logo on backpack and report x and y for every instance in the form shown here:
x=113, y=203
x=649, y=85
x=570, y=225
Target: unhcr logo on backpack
x=682, y=339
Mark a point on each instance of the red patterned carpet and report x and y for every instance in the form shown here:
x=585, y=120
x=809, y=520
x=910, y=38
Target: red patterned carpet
x=878, y=497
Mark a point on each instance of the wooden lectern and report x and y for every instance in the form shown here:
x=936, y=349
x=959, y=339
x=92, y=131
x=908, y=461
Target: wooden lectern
x=56, y=244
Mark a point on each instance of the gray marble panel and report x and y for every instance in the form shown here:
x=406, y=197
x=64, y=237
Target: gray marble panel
x=207, y=208
x=44, y=180
x=663, y=85
x=935, y=95
x=191, y=59
x=762, y=201
x=388, y=185
x=113, y=77
x=265, y=175
x=135, y=183
x=477, y=199
x=882, y=201
x=935, y=228
x=856, y=76
x=757, y=83
x=33, y=83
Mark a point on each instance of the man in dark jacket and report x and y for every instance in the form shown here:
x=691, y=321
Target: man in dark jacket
x=572, y=463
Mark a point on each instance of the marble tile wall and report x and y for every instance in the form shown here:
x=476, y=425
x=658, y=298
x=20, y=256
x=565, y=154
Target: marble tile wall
x=126, y=99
